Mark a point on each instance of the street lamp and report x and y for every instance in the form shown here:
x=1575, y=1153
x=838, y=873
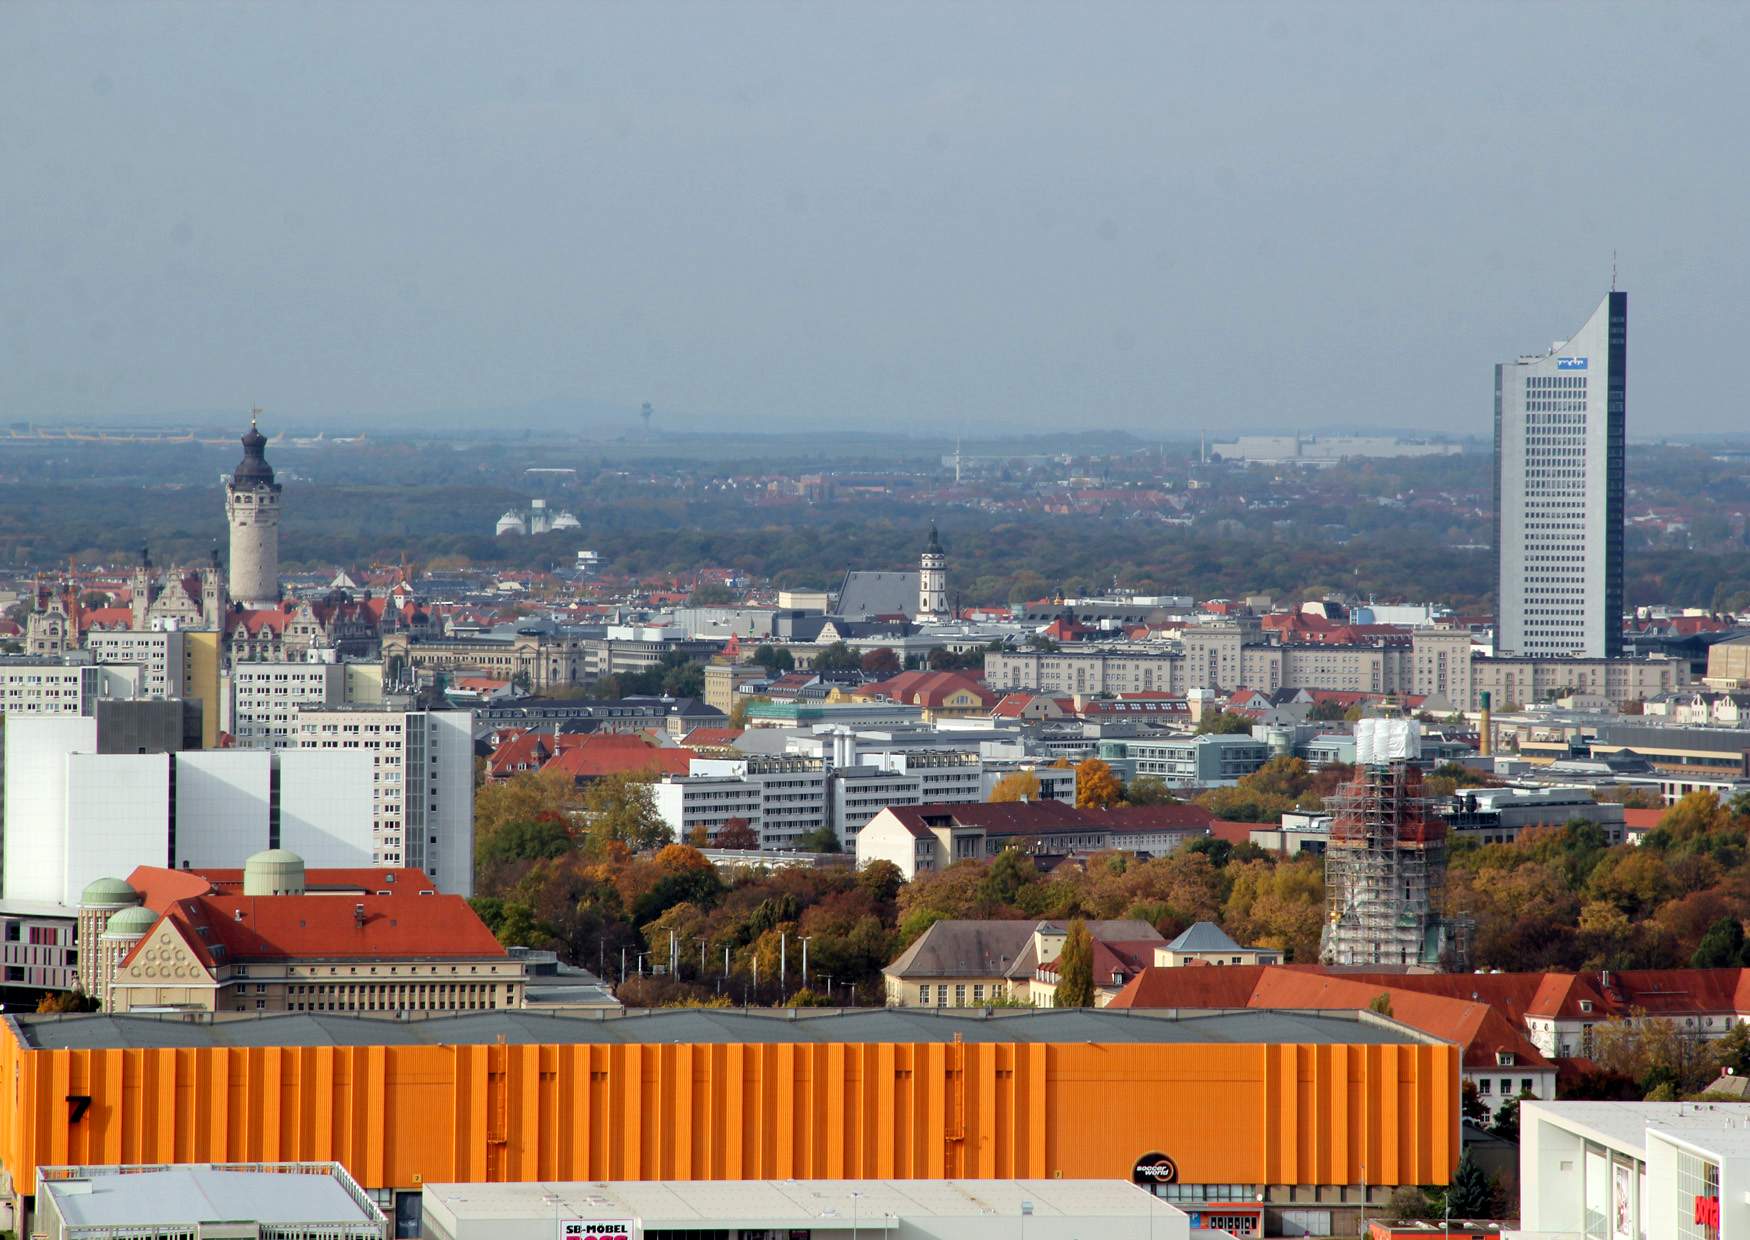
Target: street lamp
x=855, y=1195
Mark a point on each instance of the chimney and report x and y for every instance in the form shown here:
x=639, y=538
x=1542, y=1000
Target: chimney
x=358, y=915
x=1485, y=729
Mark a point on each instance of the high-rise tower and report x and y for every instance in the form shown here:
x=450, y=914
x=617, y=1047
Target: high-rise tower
x=932, y=581
x=252, y=507
x=1559, y=438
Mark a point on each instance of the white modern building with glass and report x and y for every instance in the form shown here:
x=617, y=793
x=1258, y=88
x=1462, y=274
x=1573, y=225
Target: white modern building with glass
x=1559, y=444
x=1635, y=1170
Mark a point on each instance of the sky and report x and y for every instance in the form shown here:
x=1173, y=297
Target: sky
x=1160, y=218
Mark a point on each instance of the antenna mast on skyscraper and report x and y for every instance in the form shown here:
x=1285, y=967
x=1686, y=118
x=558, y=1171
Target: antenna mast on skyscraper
x=1613, y=271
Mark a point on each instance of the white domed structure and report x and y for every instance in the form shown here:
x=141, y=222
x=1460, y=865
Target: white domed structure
x=565, y=521
x=510, y=523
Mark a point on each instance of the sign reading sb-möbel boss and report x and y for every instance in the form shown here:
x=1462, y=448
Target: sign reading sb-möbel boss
x=596, y=1229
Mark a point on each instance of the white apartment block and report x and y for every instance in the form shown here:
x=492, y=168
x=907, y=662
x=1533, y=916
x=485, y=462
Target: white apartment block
x=260, y=701
x=422, y=782
x=158, y=651
x=46, y=687
x=74, y=815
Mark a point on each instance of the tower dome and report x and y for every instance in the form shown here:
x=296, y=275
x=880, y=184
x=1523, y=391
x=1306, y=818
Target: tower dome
x=253, y=468
x=108, y=893
x=130, y=923
x=275, y=872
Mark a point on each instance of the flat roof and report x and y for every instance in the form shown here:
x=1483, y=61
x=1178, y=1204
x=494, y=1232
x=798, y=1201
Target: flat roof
x=1623, y=1125
x=201, y=1193
x=711, y=1025
x=780, y=1204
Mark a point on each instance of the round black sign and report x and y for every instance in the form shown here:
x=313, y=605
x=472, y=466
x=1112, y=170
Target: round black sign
x=1152, y=1169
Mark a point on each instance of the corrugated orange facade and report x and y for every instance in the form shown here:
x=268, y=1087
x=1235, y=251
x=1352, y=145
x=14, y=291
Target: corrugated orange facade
x=401, y=1115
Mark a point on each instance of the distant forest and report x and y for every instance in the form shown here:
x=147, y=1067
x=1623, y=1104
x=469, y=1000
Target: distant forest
x=436, y=505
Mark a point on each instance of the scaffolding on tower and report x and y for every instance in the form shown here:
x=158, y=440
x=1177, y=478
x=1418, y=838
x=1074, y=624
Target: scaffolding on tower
x=1385, y=865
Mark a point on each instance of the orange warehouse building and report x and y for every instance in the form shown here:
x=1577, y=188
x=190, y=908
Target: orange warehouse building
x=1300, y=1111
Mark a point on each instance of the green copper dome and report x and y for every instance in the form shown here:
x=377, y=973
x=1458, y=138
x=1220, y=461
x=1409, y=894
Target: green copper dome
x=108, y=891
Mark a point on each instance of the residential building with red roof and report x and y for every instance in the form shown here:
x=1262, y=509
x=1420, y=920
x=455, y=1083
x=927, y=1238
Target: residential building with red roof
x=940, y=694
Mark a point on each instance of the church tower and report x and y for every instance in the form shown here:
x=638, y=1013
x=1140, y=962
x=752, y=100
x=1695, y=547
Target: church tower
x=252, y=508
x=932, y=581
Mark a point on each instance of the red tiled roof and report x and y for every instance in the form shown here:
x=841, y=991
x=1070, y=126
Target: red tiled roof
x=711, y=738
x=314, y=927
x=610, y=753
x=1479, y=1028
x=930, y=689
x=160, y=887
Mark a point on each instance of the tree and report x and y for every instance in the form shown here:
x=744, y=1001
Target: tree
x=1224, y=723
x=1506, y=1125
x=1721, y=947
x=621, y=809
x=742, y=710
x=711, y=594
x=880, y=664
x=774, y=659
x=1472, y=1194
x=738, y=833
x=1149, y=790
x=528, y=797
x=1097, y=785
x=1327, y=711
x=1407, y=1202
x=1380, y=1003
x=499, y=855
x=837, y=657
x=1016, y=786
x=822, y=839
x=1075, y=968
x=1471, y=1106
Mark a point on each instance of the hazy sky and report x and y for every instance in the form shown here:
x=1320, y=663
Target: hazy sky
x=1161, y=217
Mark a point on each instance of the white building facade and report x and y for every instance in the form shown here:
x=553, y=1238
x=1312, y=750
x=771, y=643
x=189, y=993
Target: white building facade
x=1559, y=447
x=422, y=801
x=74, y=815
x=1634, y=1170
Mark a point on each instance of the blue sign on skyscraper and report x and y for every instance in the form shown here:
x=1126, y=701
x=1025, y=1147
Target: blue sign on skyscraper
x=1570, y=363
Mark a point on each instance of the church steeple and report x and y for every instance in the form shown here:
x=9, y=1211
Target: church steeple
x=933, y=581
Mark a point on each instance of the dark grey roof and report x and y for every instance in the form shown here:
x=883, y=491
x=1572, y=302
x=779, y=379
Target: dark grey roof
x=707, y=1025
x=865, y=595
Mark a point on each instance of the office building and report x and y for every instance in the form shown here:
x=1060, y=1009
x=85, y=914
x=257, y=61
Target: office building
x=261, y=699
x=422, y=781
x=1559, y=445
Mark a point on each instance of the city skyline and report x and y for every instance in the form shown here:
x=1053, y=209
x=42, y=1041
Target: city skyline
x=976, y=226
